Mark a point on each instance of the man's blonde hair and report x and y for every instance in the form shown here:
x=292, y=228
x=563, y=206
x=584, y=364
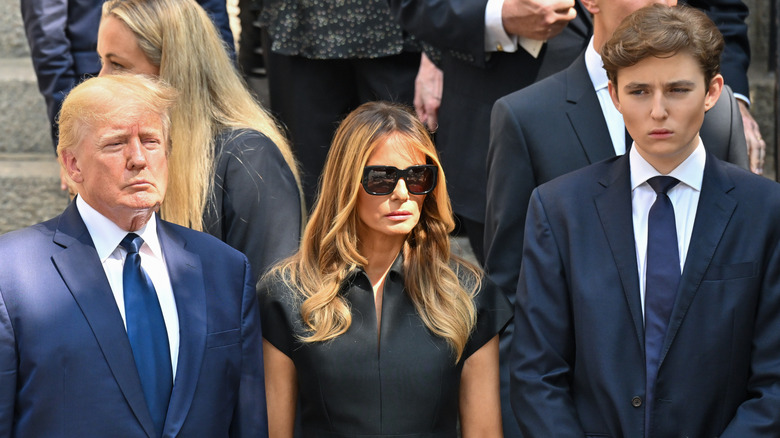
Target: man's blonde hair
x=85, y=105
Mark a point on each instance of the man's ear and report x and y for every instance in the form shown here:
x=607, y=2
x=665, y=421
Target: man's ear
x=713, y=92
x=614, y=95
x=71, y=165
x=592, y=6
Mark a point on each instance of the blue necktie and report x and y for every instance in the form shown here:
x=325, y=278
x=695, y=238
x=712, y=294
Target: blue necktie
x=663, y=277
x=147, y=333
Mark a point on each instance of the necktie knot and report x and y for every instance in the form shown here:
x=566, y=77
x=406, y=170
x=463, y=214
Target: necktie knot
x=662, y=184
x=132, y=243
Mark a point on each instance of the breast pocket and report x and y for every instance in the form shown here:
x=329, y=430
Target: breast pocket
x=730, y=272
x=223, y=338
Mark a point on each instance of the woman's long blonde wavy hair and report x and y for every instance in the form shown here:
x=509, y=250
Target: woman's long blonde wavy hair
x=179, y=38
x=329, y=252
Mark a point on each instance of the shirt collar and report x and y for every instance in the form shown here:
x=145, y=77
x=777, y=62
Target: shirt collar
x=396, y=270
x=106, y=235
x=690, y=172
x=595, y=66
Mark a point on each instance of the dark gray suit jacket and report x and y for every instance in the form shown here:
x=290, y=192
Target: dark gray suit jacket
x=577, y=362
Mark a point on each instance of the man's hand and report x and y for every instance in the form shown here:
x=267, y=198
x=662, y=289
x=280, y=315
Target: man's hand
x=427, y=93
x=755, y=143
x=537, y=19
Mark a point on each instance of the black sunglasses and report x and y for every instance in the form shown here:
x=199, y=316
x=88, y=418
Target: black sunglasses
x=381, y=180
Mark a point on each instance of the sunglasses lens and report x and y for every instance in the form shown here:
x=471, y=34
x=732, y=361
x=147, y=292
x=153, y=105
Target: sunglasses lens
x=381, y=180
x=419, y=180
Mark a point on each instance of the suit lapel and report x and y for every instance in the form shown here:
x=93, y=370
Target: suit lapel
x=83, y=274
x=585, y=114
x=185, y=271
x=713, y=214
x=614, y=209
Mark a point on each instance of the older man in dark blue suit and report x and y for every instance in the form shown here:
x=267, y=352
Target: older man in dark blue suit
x=648, y=302
x=112, y=321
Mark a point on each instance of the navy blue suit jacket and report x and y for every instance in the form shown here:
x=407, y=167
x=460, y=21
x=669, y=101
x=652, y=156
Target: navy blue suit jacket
x=66, y=366
x=577, y=362
x=62, y=35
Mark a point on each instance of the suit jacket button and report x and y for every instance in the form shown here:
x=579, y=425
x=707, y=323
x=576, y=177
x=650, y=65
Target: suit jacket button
x=636, y=401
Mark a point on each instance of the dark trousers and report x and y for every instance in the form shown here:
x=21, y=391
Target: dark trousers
x=312, y=96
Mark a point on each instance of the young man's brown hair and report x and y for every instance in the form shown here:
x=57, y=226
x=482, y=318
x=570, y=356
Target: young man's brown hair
x=663, y=31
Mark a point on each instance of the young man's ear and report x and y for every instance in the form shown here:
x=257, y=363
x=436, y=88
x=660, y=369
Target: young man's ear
x=713, y=92
x=614, y=95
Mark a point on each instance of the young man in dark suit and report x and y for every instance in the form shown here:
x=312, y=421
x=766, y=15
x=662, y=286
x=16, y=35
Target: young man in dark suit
x=112, y=321
x=649, y=292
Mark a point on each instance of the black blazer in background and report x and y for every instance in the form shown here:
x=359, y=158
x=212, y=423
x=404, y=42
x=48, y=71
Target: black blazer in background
x=474, y=80
x=552, y=128
x=577, y=362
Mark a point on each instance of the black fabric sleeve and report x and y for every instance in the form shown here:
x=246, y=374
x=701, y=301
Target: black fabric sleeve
x=279, y=313
x=493, y=315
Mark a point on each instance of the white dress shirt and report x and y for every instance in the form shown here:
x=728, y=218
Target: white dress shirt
x=684, y=197
x=598, y=76
x=496, y=38
x=106, y=236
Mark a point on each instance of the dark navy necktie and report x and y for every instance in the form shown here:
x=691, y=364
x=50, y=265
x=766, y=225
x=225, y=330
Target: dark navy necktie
x=147, y=333
x=663, y=277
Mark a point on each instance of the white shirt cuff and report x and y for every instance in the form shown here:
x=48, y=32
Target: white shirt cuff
x=496, y=38
x=742, y=98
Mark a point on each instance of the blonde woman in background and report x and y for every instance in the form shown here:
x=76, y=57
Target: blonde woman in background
x=232, y=173
x=373, y=324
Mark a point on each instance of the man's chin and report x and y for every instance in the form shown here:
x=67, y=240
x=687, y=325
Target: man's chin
x=142, y=202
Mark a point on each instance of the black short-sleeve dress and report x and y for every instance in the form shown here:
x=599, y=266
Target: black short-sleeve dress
x=404, y=382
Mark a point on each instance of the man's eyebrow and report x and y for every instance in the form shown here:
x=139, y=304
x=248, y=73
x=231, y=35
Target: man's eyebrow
x=114, y=134
x=633, y=85
x=681, y=82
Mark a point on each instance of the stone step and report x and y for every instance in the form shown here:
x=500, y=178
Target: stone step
x=29, y=190
x=24, y=127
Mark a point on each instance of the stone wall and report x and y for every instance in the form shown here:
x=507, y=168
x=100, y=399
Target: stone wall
x=29, y=174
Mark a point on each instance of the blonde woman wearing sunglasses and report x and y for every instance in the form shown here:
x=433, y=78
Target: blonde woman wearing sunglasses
x=373, y=326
